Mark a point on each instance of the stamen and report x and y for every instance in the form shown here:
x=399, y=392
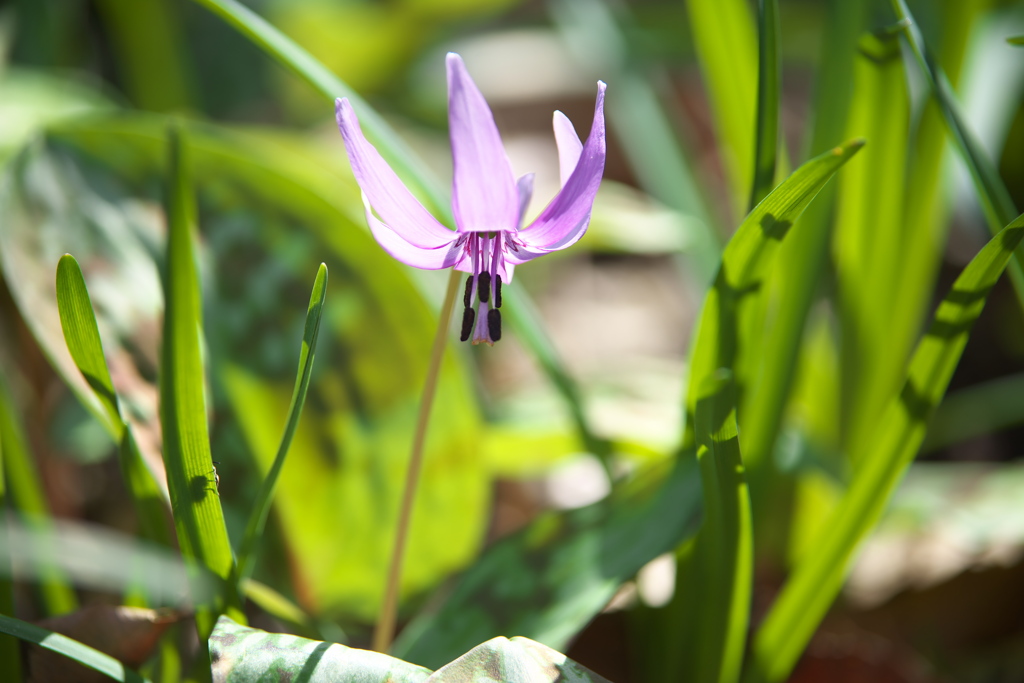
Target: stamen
x=467, y=299
x=494, y=324
x=497, y=290
x=468, y=316
x=483, y=287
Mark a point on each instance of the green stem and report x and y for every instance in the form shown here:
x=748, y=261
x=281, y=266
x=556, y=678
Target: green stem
x=385, y=631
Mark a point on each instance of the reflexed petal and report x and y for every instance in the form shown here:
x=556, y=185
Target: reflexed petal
x=569, y=146
x=390, y=198
x=484, y=195
x=525, y=187
x=429, y=259
x=566, y=218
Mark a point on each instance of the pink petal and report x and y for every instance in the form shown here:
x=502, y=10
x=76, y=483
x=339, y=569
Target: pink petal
x=391, y=199
x=484, y=195
x=443, y=256
x=566, y=218
x=569, y=146
x=525, y=188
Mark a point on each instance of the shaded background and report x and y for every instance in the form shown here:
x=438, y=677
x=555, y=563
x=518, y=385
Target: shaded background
x=936, y=595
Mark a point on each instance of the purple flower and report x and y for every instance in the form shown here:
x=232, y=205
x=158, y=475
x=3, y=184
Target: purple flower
x=488, y=203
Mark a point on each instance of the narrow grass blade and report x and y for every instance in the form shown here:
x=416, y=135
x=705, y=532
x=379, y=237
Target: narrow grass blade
x=296, y=59
x=769, y=78
x=870, y=246
x=817, y=579
x=996, y=201
x=25, y=492
x=746, y=259
x=81, y=653
x=195, y=503
x=261, y=506
x=725, y=546
x=83, y=339
x=795, y=278
x=725, y=39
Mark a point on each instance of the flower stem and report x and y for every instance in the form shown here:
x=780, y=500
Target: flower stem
x=385, y=630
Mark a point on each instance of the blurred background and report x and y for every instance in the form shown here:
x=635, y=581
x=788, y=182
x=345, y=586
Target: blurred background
x=86, y=88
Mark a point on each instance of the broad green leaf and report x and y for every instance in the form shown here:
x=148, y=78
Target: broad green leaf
x=818, y=577
x=870, y=243
x=995, y=198
x=241, y=654
x=746, y=259
x=261, y=508
x=547, y=581
x=24, y=492
x=724, y=550
x=81, y=653
x=195, y=504
x=769, y=77
x=515, y=660
x=725, y=38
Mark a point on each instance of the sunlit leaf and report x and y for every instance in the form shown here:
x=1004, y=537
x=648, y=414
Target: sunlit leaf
x=94, y=659
x=817, y=578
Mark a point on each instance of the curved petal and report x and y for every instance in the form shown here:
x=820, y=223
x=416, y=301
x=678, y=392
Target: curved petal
x=566, y=218
x=525, y=187
x=429, y=259
x=569, y=146
x=391, y=199
x=484, y=196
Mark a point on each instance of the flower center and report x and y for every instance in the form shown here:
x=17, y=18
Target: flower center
x=483, y=321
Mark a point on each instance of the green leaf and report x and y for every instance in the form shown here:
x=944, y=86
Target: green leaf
x=516, y=660
x=871, y=242
x=769, y=77
x=1016, y=40
x=818, y=577
x=725, y=39
x=242, y=654
x=996, y=201
x=261, y=507
x=83, y=339
x=547, y=581
x=25, y=492
x=81, y=653
x=195, y=503
x=725, y=545
x=746, y=259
